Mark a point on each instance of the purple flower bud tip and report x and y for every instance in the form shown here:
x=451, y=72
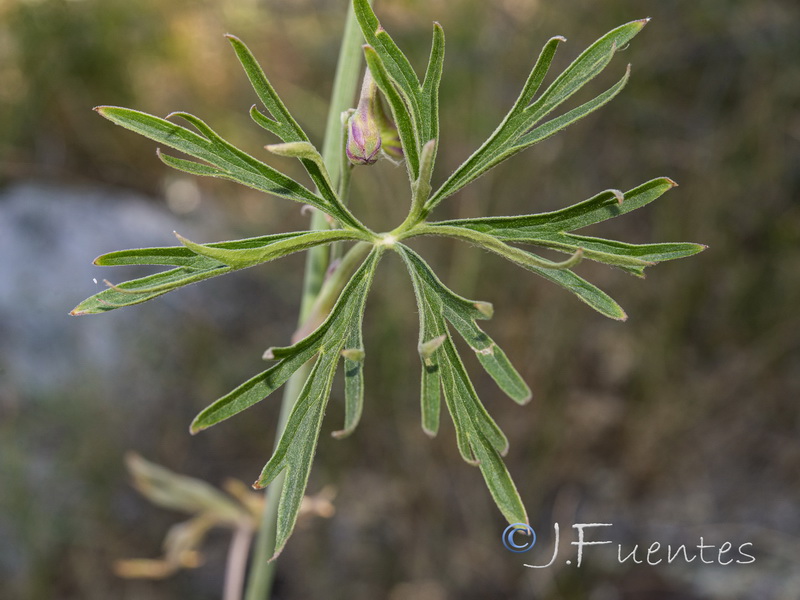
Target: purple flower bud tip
x=364, y=126
x=363, y=138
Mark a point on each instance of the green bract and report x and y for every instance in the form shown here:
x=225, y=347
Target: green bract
x=333, y=332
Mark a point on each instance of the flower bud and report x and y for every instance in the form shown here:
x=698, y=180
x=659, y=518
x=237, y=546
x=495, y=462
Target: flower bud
x=363, y=127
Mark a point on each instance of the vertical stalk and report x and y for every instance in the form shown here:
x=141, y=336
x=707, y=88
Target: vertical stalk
x=348, y=69
x=237, y=561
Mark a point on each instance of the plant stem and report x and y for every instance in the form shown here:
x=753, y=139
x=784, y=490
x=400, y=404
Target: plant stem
x=237, y=561
x=329, y=292
x=344, y=87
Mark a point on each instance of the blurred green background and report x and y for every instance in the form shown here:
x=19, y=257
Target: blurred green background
x=682, y=422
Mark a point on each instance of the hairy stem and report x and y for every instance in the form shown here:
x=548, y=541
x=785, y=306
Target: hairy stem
x=344, y=88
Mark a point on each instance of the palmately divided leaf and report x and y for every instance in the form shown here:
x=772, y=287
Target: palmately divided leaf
x=334, y=333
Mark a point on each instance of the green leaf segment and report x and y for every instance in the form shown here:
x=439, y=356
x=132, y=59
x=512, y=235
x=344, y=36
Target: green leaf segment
x=334, y=333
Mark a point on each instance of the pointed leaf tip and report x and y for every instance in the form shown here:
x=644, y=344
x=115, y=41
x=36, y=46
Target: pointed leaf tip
x=485, y=308
x=618, y=195
x=299, y=149
x=177, y=113
x=354, y=354
x=427, y=349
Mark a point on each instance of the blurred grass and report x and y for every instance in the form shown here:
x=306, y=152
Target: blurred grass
x=686, y=415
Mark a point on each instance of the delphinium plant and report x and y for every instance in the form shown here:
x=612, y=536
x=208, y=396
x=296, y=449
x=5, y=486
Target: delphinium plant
x=330, y=331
